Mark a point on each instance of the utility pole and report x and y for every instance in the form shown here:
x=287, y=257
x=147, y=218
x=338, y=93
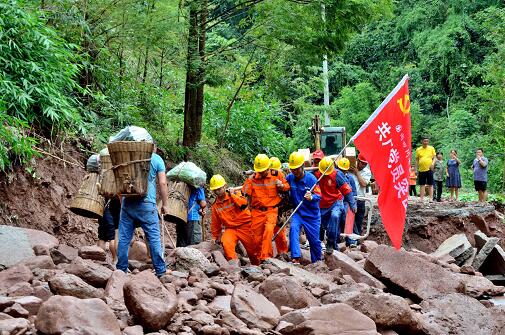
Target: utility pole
x=325, y=77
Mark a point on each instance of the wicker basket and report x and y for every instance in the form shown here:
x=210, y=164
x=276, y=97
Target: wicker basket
x=87, y=202
x=131, y=162
x=107, y=186
x=178, y=196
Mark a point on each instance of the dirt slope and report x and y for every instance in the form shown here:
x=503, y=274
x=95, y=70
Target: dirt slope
x=41, y=200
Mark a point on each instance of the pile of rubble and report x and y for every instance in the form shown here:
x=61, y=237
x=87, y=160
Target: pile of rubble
x=371, y=290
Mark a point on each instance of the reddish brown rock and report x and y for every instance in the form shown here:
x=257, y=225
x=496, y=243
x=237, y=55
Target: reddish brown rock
x=138, y=252
x=149, y=301
x=286, y=291
x=63, y=254
x=14, y=326
x=253, y=308
x=81, y=316
x=39, y=262
x=387, y=311
x=416, y=277
x=348, y=266
x=20, y=289
x=92, y=273
x=69, y=284
x=114, y=290
x=14, y=275
x=327, y=320
x=93, y=252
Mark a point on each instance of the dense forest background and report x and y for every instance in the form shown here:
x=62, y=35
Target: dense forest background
x=229, y=79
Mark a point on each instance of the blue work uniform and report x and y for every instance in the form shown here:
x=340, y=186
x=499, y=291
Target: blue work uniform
x=308, y=216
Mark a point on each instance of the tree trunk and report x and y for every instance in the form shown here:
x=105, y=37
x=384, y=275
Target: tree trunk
x=162, y=58
x=195, y=74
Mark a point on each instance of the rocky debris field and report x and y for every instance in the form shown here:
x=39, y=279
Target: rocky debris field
x=374, y=289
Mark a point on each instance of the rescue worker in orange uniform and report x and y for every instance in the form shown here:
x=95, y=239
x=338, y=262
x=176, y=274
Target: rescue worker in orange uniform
x=263, y=192
x=281, y=242
x=230, y=212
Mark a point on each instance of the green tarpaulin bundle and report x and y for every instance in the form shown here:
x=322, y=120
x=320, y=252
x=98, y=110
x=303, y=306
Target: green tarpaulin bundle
x=189, y=173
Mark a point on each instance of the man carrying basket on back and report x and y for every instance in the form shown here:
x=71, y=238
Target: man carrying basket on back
x=143, y=210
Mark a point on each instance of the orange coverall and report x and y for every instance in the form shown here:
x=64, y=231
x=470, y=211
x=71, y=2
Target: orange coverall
x=264, y=197
x=232, y=213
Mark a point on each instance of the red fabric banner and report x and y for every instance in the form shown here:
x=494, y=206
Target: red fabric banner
x=385, y=141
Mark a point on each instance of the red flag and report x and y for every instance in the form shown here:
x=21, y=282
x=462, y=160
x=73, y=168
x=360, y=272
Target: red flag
x=385, y=140
x=349, y=221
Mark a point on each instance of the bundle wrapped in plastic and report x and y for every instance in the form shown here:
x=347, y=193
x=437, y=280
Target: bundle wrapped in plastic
x=132, y=133
x=189, y=173
x=93, y=163
x=104, y=152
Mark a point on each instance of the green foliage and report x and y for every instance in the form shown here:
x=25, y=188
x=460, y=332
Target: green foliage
x=37, y=70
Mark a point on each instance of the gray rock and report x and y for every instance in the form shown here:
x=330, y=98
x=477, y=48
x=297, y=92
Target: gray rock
x=484, y=252
x=16, y=244
x=455, y=314
x=456, y=246
x=188, y=258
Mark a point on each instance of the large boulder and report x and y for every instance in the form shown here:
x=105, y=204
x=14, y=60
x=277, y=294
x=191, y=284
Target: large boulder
x=253, y=308
x=61, y=314
x=69, y=284
x=455, y=314
x=286, y=291
x=388, y=311
x=349, y=267
x=63, y=254
x=14, y=275
x=16, y=244
x=149, y=301
x=188, y=258
x=414, y=276
x=327, y=320
x=138, y=251
x=92, y=273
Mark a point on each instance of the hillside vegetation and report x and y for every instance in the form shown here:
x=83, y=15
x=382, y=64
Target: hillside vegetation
x=213, y=79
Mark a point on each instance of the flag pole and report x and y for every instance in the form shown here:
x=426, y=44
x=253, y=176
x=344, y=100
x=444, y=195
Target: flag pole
x=310, y=190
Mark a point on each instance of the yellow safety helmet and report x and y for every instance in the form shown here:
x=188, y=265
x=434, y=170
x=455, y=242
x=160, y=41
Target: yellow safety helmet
x=275, y=163
x=217, y=181
x=296, y=160
x=323, y=165
x=261, y=163
x=343, y=164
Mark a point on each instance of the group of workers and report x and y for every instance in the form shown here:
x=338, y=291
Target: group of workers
x=251, y=215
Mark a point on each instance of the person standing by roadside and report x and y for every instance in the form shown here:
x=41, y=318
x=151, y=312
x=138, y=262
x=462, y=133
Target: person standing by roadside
x=479, y=166
x=197, y=205
x=413, y=181
x=425, y=155
x=438, y=176
x=453, y=176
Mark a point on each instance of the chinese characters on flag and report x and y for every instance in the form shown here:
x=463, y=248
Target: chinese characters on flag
x=385, y=141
